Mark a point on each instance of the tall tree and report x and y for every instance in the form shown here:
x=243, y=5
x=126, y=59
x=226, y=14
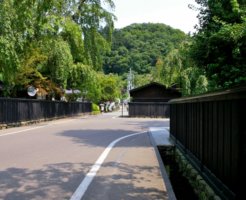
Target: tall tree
x=220, y=44
x=65, y=32
x=110, y=87
x=90, y=15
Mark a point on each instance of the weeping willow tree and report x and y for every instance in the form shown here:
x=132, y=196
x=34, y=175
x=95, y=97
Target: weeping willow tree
x=168, y=70
x=178, y=69
x=64, y=32
x=91, y=15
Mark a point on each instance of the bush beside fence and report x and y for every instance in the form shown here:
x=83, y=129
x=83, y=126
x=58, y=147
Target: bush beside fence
x=210, y=130
x=21, y=110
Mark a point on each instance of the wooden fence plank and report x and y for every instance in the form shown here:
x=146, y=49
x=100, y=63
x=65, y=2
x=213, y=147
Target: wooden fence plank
x=211, y=128
x=20, y=110
x=149, y=109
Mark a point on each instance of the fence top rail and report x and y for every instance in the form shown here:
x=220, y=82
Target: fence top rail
x=148, y=103
x=41, y=100
x=229, y=94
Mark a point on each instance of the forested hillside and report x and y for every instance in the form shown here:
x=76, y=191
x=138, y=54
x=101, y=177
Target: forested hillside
x=213, y=58
x=139, y=46
x=60, y=45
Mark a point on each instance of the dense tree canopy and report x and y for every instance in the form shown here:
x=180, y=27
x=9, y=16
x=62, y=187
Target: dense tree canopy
x=53, y=44
x=155, y=52
x=56, y=45
x=139, y=46
x=219, y=47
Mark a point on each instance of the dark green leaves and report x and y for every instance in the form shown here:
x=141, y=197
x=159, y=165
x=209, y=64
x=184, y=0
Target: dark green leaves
x=139, y=46
x=219, y=47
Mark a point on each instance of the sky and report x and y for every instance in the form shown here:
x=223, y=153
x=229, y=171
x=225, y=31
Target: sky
x=174, y=13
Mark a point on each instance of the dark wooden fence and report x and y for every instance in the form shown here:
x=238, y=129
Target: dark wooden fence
x=210, y=130
x=20, y=110
x=149, y=109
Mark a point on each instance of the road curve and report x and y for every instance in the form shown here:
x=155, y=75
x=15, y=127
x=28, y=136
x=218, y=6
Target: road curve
x=51, y=160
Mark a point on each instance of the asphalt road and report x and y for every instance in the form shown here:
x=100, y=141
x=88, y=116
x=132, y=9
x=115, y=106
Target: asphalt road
x=81, y=158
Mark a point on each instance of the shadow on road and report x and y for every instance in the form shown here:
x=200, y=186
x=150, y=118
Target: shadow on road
x=51, y=182
x=103, y=137
x=127, y=185
x=94, y=137
x=57, y=181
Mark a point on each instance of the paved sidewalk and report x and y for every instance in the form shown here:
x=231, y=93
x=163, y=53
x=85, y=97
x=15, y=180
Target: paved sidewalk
x=160, y=137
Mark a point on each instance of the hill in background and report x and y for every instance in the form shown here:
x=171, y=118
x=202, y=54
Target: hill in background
x=139, y=46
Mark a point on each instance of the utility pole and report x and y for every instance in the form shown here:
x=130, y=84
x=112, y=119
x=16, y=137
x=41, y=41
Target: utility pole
x=129, y=82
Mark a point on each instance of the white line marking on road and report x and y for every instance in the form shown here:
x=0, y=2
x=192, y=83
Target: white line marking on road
x=29, y=129
x=38, y=127
x=62, y=122
x=80, y=191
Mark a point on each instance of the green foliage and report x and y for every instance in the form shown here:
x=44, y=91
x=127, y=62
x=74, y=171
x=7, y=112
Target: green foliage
x=219, y=47
x=9, y=43
x=94, y=86
x=72, y=34
x=139, y=46
x=94, y=91
x=84, y=78
x=95, y=107
x=110, y=87
x=90, y=15
x=178, y=69
x=43, y=43
x=201, y=85
x=171, y=68
x=142, y=79
x=152, y=51
x=28, y=74
x=79, y=75
x=59, y=62
x=157, y=72
x=193, y=81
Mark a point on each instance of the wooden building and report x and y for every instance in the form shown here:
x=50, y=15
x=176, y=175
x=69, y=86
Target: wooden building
x=151, y=100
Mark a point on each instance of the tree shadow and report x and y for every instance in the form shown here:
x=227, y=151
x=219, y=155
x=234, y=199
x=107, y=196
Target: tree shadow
x=59, y=181
x=94, y=138
x=129, y=183
x=55, y=181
